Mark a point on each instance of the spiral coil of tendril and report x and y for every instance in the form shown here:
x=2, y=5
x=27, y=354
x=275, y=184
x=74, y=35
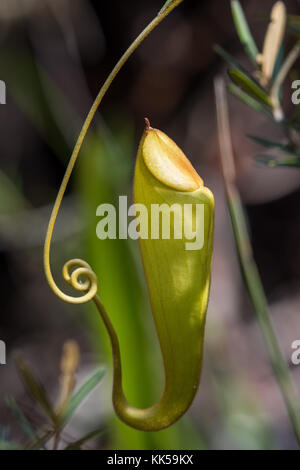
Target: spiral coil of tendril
x=88, y=285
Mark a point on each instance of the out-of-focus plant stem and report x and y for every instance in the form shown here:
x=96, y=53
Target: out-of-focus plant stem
x=248, y=266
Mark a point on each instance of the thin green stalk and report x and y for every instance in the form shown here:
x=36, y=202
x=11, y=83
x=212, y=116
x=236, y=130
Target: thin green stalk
x=248, y=265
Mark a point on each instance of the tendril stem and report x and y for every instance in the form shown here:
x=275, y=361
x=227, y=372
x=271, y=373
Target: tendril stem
x=89, y=285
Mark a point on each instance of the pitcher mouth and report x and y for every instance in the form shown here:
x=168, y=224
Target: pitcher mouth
x=167, y=163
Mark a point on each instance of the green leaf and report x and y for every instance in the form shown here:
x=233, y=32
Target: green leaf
x=77, y=444
x=270, y=144
x=243, y=30
x=249, y=86
x=82, y=393
x=247, y=99
x=35, y=389
x=275, y=162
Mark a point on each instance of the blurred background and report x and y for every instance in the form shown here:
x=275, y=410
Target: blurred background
x=54, y=56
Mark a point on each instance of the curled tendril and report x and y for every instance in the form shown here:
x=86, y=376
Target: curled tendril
x=82, y=269
x=89, y=285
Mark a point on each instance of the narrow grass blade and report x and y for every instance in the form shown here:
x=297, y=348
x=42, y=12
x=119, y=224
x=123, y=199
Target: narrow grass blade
x=271, y=145
x=282, y=162
x=243, y=30
x=82, y=393
x=248, y=100
x=249, y=86
x=24, y=423
x=265, y=142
